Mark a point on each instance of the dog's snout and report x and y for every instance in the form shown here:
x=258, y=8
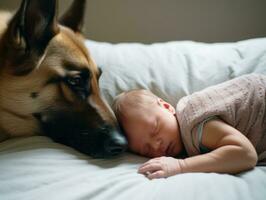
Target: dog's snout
x=115, y=144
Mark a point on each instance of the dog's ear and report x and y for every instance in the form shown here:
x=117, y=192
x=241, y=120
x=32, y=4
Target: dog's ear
x=34, y=25
x=73, y=17
x=28, y=34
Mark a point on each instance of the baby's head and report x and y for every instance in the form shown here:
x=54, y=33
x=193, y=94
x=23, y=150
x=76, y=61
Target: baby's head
x=149, y=123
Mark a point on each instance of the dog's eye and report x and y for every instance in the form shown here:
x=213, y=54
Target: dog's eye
x=75, y=80
x=79, y=84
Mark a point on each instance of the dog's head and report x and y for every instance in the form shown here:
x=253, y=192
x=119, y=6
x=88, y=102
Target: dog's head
x=49, y=82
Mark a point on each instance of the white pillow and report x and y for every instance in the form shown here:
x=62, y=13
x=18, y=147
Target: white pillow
x=174, y=69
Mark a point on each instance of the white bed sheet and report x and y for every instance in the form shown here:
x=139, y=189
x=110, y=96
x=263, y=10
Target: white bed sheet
x=37, y=168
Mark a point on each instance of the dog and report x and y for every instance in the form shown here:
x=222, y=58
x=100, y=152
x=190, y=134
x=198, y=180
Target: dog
x=49, y=82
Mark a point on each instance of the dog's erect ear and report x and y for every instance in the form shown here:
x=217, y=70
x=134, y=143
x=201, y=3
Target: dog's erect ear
x=34, y=25
x=73, y=17
x=28, y=35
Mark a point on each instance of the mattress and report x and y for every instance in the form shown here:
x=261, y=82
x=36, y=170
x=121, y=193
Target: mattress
x=37, y=168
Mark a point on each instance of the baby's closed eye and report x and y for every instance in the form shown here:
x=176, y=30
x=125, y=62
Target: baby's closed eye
x=156, y=128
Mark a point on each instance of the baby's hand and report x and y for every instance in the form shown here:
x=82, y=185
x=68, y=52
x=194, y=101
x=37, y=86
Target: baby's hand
x=160, y=167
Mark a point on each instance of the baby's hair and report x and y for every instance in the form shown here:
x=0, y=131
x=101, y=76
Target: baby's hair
x=137, y=98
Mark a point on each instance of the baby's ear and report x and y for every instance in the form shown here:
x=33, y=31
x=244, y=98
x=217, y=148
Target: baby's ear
x=166, y=105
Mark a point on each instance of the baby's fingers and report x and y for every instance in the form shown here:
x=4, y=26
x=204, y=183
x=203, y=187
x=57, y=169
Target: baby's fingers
x=149, y=168
x=150, y=162
x=157, y=174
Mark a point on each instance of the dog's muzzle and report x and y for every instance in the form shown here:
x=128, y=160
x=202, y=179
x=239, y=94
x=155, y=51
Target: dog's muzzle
x=115, y=145
x=103, y=141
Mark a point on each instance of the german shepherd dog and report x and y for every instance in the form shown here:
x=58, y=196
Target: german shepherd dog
x=49, y=82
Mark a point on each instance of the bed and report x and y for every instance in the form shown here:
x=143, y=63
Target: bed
x=37, y=168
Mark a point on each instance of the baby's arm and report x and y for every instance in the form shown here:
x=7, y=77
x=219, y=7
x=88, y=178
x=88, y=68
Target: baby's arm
x=231, y=151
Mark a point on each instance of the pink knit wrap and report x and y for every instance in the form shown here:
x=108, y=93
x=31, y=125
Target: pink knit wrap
x=240, y=102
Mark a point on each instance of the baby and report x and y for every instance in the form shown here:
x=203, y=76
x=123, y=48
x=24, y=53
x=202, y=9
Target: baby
x=219, y=129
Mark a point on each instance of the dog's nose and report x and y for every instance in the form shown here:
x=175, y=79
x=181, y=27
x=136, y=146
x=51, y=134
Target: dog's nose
x=116, y=144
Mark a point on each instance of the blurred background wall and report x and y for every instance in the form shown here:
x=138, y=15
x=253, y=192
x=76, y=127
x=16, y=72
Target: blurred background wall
x=165, y=20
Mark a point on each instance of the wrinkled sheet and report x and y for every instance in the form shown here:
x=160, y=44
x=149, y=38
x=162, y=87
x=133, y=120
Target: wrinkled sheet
x=37, y=168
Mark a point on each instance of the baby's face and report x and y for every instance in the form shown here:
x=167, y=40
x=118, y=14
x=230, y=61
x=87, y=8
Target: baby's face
x=152, y=131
